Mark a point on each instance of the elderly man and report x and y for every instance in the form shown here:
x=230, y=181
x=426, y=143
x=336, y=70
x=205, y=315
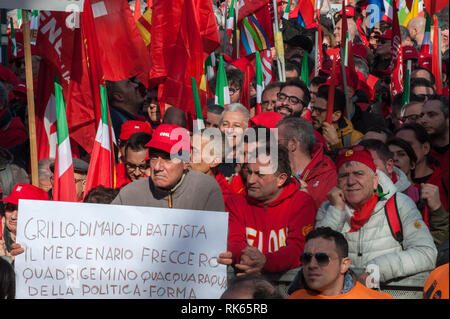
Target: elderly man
x=171, y=184
x=325, y=273
x=267, y=227
x=293, y=98
x=315, y=170
x=393, y=247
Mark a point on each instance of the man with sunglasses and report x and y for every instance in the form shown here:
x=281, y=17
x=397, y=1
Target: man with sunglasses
x=421, y=90
x=292, y=99
x=357, y=208
x=325, y=273
x=411, y=112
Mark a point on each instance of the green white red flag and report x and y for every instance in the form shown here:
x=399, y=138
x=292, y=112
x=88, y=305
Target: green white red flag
x=222, y=90
x=101, y=166
x=64, y=188
x=436, y=62
x=199, y=122
x=13, y=38
x=259, y=82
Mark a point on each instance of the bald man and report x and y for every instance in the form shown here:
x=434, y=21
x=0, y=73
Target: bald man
x=416, y=28
x=338, y=30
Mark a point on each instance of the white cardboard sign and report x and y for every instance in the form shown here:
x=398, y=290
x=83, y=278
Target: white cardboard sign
x=49, y=5
x=80, y=250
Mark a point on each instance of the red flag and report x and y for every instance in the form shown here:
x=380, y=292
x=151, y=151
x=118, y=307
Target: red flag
x=183, y=57
x=137, y=9
x=55, y=43
x=396, y=66
x=247, y=65
x=306, y=9
x=121, y=49
x=436, y=64
x=250, y=7
x=83, y=105
x=434, y=6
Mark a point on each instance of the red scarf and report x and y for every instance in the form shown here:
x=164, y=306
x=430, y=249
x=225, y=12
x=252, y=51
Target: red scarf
x=394, y=178
x=361, y=217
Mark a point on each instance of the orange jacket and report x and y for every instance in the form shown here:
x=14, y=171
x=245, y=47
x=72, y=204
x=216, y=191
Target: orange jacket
x=436, y=285
x=358, y=292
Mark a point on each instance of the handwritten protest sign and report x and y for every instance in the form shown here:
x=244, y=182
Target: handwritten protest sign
x=79, y=250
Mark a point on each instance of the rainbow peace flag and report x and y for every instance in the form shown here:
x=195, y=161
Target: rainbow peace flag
x=253, y=36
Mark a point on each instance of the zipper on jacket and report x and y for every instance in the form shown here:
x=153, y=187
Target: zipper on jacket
x=359, y=245
x=170, y=200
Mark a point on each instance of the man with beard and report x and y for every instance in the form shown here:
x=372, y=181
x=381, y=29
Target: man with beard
x=434, y=118
x=293, y=98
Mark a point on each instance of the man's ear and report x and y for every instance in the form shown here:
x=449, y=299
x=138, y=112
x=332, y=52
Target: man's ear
x=345, y=264
x=281, y=179
x=292, y=145
x=336, y=116
x=390, y=166
x=118, y=96
x=376, y=179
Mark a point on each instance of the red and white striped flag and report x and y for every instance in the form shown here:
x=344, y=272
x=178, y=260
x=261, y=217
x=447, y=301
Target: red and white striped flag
x=267, y=60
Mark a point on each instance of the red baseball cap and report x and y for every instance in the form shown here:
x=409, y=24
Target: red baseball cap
x=130, y=127
x=172, y=139
x=351, y=78
x=20, y=88
x=350, y=11
x=410, y=53
x=425, y=61
x=355, y=154
x=25, y=191
x=267, y=119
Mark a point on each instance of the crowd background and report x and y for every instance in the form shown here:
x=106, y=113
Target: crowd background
x=327, y=78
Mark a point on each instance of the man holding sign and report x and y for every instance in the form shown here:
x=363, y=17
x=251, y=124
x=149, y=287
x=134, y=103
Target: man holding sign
x=171, y=184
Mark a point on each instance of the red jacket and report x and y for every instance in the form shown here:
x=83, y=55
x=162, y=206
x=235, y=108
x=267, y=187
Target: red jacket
x=277, y=229
x=12, y=130
x=224, y=186
x=320, y=175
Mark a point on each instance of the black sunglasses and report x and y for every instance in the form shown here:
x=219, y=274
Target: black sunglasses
x=321, y=258
x=421, y=97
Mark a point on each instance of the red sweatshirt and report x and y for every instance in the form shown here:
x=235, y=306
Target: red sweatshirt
x=320, y=175
x=277, y=229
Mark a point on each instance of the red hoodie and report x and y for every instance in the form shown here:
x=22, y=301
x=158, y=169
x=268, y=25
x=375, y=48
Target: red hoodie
x=277, y=229
x=320, y=175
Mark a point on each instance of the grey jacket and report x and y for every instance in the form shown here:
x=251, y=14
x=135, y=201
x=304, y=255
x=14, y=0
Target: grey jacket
x=374, y=244
x=196, y=191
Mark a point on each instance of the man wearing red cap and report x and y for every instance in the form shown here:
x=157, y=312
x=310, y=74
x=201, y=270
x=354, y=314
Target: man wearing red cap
x=171, y=184
x=356, y=208
x=129, y=128
x=8, y=224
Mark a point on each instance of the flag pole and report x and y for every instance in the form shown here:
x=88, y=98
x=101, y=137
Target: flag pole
x=225, y=35
x=238, y=34
x=30, y=101
x=279, y=46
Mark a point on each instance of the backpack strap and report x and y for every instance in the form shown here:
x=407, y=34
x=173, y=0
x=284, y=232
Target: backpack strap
x=347, y=140
x=395, y=224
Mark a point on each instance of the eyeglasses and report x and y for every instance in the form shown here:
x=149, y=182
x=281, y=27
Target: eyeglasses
x=292, y=99
x=421, y=97
x=132, y=167
x=322, y=259
x=267, y=103
x=411, y=118
x=317, y=110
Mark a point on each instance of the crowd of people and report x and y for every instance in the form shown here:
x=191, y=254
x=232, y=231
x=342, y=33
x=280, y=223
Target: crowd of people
x=334, y=198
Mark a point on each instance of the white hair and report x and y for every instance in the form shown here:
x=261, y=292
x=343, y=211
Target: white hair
x=236, y=107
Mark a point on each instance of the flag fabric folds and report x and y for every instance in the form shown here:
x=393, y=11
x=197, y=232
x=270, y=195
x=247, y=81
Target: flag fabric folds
x=396, y=66
x=64, y=181
x=259, y=82
x=222, y=96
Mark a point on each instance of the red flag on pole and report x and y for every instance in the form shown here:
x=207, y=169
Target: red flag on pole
x=436, y=63
x=137, y=9
x=396, y=66
x=180, y=44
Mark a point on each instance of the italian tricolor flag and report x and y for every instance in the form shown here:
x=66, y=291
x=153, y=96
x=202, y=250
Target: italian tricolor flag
x=426, y=42
x=287, y=10
x=199, y=123
x=259, y=82
x=13, y=38
x=64, y=181
x=222, y=93
x=101, y=167
x=230, y=20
